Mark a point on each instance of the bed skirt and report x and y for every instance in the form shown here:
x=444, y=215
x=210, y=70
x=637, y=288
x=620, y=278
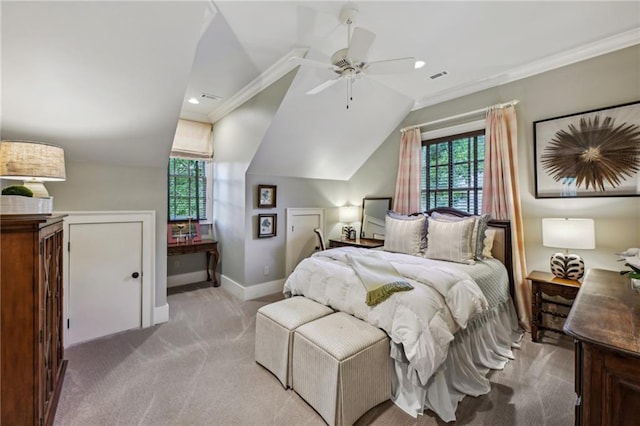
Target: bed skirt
x=485, y=344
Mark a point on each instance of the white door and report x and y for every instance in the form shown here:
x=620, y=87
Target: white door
x=301, y=240
x=105, y=279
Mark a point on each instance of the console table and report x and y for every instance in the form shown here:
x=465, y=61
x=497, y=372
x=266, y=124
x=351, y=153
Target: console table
x=210, y=247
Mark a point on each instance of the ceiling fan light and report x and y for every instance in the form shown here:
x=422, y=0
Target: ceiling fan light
x=419, y=64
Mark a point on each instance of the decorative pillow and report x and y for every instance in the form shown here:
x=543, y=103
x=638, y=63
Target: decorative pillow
x=451, y=240
x=404, y=235
x=489, y=236
x=399, y=216
x=482, y=222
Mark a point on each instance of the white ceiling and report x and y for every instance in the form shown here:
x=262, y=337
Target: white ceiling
x=480, y=44
x=107, y=80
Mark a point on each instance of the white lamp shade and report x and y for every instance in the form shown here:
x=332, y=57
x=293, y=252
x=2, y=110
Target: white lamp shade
x=349, y=214
x=568, y=233
x=25, y=160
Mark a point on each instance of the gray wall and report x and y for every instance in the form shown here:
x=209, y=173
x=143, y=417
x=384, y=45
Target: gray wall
x=291, y=192
x=236, y=138
x=105, y=187
x=607, y=80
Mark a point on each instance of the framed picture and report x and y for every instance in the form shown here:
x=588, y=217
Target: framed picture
x=182, y=232
x=589, y=154
x=267, y=225
x=266, y=196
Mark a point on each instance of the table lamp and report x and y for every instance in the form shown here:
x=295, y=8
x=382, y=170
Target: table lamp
x=32, y=162
x=568, y=234
x=348, y=215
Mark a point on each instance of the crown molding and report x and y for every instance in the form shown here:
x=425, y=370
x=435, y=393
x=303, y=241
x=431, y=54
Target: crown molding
x=258, y=84
x=568, y=57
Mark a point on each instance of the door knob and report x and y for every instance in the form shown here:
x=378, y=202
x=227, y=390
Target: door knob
x=135, y=275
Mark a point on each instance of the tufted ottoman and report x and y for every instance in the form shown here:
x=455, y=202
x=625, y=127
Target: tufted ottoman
x=341, y=367
x=275, y=324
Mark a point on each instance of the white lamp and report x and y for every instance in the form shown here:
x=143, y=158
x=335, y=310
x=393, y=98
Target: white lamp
x=32, y=162
x=348, y=215
x=568, y=234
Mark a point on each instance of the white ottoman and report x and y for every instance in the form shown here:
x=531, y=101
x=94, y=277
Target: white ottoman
x=275, y=324
x=341, y=367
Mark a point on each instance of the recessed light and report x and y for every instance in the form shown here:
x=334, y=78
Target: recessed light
x=419, y=64
x=193, y=101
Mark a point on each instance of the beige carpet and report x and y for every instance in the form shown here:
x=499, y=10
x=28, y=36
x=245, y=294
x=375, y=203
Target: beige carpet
x=199, y=369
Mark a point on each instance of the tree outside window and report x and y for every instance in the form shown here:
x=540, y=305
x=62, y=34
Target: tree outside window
x=187, y=189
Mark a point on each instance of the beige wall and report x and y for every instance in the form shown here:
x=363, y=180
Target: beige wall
x=604, y=81
x=105, y=187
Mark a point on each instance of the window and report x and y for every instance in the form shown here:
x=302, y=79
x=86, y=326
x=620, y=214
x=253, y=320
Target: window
x=187, y=189
x=452, y=172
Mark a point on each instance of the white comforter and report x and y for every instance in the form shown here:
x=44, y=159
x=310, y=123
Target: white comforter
x=423, y=320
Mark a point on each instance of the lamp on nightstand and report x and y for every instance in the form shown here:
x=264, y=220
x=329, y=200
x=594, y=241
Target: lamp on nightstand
x=348, y=215
x=568, y=234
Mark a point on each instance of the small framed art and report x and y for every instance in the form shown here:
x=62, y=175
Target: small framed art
x=589, y=154
x=267, y=225
x=184, y=231
x=266, y=196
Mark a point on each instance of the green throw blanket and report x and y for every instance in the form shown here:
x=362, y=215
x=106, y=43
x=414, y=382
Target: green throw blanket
x=378, y=276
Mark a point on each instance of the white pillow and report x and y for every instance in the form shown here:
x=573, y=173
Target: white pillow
x=477, y=239
x=451, y=240
x=489, y=236
x=403, y=235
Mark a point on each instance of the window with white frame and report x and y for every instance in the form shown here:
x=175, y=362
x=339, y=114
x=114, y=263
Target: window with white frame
x=453, y=171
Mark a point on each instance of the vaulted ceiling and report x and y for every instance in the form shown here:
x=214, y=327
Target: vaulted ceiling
x=108, y=80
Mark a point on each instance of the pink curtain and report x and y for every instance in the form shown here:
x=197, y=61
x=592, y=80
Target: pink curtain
x=501, y=195
x=407, y=196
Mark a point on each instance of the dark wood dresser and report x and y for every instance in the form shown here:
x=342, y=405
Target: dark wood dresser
x=605, y=321
x=32, y=363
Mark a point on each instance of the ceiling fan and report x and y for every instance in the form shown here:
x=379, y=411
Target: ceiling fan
x=351, y=62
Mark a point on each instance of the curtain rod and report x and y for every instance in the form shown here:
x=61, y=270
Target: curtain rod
x=464, y=114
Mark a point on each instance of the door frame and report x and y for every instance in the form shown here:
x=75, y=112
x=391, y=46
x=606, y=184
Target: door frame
x=148, y=272
x=298, y=211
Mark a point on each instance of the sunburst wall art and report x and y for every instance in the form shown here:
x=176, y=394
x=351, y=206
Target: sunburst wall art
x=589, y=154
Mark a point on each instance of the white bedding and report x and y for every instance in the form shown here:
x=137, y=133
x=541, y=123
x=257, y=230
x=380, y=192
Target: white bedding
x=423, y=320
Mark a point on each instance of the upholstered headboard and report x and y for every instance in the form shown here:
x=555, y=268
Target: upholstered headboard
x=502, y=249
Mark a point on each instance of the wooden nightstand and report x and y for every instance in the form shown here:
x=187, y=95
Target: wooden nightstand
x=362, y=242
x=550, y=285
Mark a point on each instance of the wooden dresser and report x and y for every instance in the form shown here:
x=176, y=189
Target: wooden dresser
x=32, y=363
x=605, y=321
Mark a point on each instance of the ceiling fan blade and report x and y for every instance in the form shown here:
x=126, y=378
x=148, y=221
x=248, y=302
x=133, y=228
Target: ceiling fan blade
x=324, y=85
x=310, y=62
x=360, y=44
x=391, y=66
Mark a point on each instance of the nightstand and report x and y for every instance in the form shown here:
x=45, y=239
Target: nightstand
x=361, y=242
x=548, y=284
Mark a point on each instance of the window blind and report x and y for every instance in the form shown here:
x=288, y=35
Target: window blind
x=192, y=141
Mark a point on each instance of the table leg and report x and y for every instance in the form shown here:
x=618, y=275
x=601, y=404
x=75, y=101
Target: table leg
x=208, y=262
x=534, y=311
x=216, y=256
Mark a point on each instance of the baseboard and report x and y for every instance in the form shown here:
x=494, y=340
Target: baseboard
x=161, y=314
x=263, y=289
x=251, y=292
x=188, y=278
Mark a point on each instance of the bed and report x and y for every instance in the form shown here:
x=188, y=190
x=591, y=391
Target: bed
x=457, y=321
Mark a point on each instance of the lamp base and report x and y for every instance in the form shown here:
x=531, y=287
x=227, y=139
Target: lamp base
x=37, y=187
x=567, y=266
